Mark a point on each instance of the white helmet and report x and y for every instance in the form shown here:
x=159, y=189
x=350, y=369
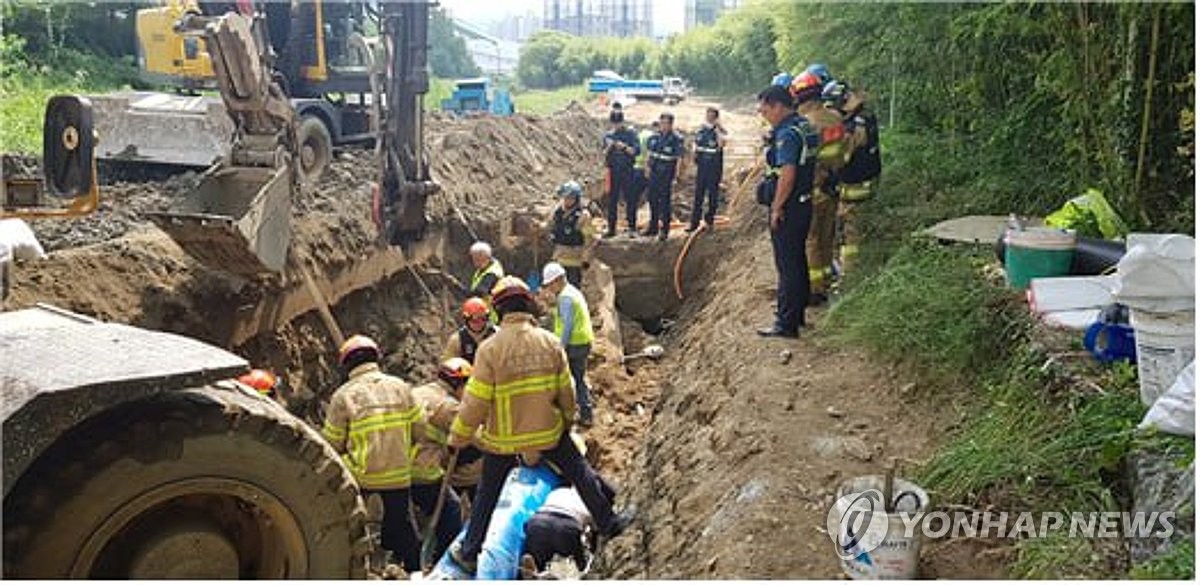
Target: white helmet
x=553, y=271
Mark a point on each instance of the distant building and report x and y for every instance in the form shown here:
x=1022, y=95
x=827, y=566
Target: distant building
x=516, y=27
x=599, y=18
x=704, y=12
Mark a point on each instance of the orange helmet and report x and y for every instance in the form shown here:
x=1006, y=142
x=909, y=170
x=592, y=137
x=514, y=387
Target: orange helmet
x=356, y=343
x=806, y=87
x=262, y=380
x=510, y=287
x=474, y=307
x=454, y=370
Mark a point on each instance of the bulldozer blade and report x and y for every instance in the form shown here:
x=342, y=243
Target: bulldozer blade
x=238, y=219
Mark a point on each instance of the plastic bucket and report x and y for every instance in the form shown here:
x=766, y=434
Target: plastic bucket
x=1165, y=345
x=1037, y=253
x=898, y=555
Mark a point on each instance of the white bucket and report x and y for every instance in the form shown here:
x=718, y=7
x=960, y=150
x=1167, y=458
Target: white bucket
x=1165, y=345
x=897, y=555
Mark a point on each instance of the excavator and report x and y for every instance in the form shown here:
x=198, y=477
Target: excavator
x=131, y=453
x=322, y=56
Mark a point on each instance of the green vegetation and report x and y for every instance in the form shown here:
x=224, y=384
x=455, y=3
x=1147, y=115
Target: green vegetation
x=552, y=59
x=543, y=102
x=1178, y=563
x=448, y=56
x=28, y=80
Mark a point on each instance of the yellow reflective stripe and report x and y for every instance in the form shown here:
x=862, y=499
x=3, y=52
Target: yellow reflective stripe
x=379, y=422
x=334, y=433
x=401, y=474
x=435, y=434
x=522, y=386
x=460, y=428
x=479, y=389
x=816, y=275
x=426, y=474
x=849, y=249
x=515, y=442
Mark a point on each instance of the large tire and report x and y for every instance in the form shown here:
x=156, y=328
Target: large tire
x=316, y=148
x=207, y=482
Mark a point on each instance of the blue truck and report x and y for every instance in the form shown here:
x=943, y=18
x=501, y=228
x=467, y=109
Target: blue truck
x=478, y=95
x=669, y=90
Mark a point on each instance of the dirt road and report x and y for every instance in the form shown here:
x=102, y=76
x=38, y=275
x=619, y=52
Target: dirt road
x=750, y=437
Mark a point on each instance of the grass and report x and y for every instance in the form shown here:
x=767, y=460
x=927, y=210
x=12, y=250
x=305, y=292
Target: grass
x=1177, y=563
x=439, y=89
x=542, y=102
x=26, y=84
x=1031, y=442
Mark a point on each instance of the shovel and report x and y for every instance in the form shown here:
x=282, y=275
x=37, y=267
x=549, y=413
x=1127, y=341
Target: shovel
x=429, y=541
x=653, y=352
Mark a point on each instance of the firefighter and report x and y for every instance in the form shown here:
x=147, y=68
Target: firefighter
x=571, y=231
x=806, y=89
x=441, y=399
x=710, y=160
x=863, y=165
x=476, y=327
x=373, y=423
x=666, y=150
x=520, y=393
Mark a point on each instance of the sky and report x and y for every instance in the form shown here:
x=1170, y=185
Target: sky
x=668, y=14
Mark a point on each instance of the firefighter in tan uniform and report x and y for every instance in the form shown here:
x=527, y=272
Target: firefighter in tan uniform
x=518, y=408
x=374, y=423
x=806, y=88
x=441, y=400
x=476, y=327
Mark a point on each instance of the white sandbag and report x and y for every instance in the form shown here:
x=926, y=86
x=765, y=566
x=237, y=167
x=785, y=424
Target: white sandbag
x=1175, y=411
x=19, y=240
x=1157, y=273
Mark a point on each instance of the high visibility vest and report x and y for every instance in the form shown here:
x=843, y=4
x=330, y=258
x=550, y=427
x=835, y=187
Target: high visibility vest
x=640, y=161
x=581, y=330
x=495, y=268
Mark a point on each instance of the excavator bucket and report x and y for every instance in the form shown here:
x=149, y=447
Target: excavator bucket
x=238, y=219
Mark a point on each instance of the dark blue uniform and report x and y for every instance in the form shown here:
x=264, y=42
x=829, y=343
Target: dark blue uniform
x=665, y=150
x=710, y=159
x=793, y=142
x=620, y=168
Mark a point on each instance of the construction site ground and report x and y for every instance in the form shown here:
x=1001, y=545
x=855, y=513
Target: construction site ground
x=731, y=446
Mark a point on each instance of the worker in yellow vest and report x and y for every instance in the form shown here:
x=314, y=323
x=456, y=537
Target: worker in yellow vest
x=488, y=271
x=573, y=327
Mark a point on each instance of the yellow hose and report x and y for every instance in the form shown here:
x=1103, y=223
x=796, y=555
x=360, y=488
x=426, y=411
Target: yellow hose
x=679, y=261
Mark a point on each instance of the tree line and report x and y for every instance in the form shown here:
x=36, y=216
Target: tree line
x=1028, y=102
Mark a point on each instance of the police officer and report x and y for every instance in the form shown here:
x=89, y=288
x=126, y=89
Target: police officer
x=787, y=189
x=620, y=149
x=571, y=231
x=710, y=160
x=666, y=149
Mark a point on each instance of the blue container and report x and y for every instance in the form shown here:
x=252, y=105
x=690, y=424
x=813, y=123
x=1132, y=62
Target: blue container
x=1110, y=342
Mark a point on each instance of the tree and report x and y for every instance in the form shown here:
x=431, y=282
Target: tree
x=448, y=56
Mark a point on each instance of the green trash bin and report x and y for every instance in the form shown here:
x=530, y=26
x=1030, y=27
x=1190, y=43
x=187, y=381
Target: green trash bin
x=1037, y=252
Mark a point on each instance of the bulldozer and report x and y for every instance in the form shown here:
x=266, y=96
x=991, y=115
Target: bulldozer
x=322, y=55
x=131, y=453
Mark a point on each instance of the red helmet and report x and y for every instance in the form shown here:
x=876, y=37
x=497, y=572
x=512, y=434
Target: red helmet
x=510, y=287
x=357, y=343
x=806, y=87
x=454, y=370
x=474, y=307
x=261, y=380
